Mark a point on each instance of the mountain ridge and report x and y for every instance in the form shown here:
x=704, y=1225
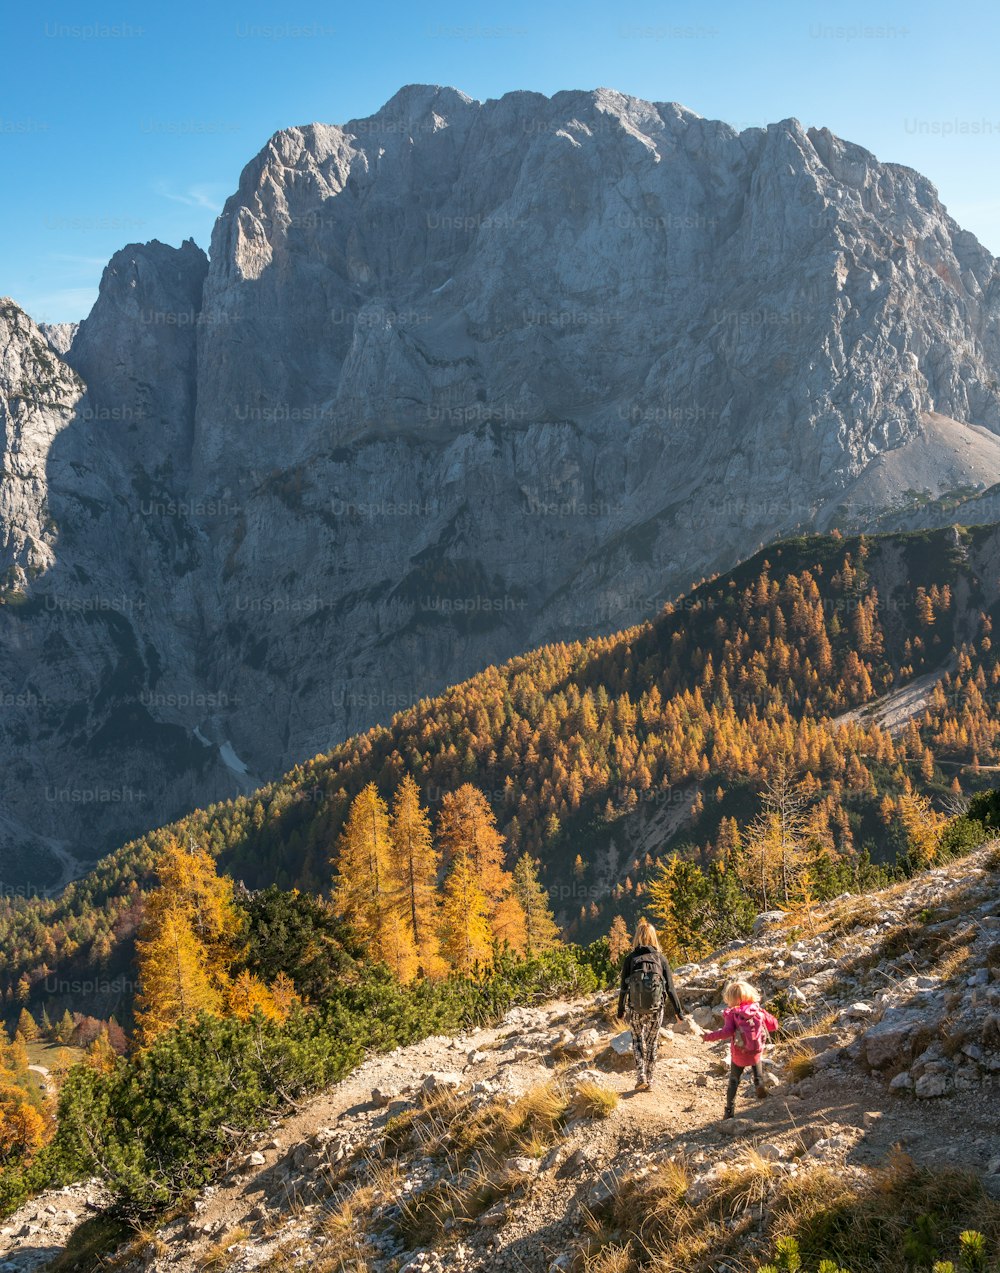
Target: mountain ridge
x=470, y=378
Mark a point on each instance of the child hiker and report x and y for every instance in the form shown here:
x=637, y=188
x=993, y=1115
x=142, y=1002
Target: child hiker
x=647, y=983
x=748, y=1025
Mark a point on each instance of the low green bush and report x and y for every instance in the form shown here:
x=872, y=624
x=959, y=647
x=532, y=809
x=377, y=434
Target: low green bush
x=972, y=1254
x=160, y=1123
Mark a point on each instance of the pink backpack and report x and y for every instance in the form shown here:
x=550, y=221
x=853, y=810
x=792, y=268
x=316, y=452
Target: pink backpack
x=751, y=1032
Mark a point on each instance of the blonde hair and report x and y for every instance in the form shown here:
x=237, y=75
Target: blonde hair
x=736, y=992
x=645, y=935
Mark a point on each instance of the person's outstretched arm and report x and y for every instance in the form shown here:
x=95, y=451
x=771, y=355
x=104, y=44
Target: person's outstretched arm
x=727, y=1031
x=671, y=991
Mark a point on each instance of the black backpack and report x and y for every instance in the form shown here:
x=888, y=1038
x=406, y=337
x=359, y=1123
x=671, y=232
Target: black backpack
x=646, y=983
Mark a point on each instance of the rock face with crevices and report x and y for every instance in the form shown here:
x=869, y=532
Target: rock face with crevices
x=457, y=379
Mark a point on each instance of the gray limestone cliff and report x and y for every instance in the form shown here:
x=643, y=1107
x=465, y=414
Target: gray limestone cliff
x=456, y=379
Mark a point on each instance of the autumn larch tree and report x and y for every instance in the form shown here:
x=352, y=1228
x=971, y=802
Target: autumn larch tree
x=774, y=850
x=416, y=864
x=101, y=1055
x=467, y=830
x=541, y=931
x=619, y=941
x=368, y=892
x=22, y=1128
x=466, y=935
x=189, y=936
x=467, y=826
x=189, y=883
x=27, y=1027
x=64, y=1029
x=249, y=994
x=923, y=826
x=176, y=977
x=510, y=925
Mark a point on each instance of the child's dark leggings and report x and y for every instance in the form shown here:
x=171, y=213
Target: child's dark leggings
x=735, y=1074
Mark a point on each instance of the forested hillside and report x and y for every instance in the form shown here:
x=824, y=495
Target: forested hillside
x=663, y=735
x=499, y=439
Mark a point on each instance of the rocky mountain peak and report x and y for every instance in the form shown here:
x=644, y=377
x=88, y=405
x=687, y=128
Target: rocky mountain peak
x=59, y=335
x=38, y=396
x=561, y=355
x=415, y=102
x=149, y=310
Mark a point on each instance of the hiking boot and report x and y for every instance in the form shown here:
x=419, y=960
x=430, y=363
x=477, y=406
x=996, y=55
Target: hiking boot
x=729, y=1113
x=761, y=1091
x=642, y=1085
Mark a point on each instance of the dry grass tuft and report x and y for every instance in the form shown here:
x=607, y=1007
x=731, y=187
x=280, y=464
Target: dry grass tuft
x=862, y=1219
x=745, y=1184
x=865, y=1221
x=476, y=1145
x=593, y=1100
x=612, y=1258
x=540, y=1108
x=428, y=1128
x=218, y=1257
x=608, y=1016
x=800, y=1062
x=343, y=1225
x=819, y=1022
x=423, y=1218
x=643, y=1209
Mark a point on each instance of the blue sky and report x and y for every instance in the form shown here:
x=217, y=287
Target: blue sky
x=132, y=123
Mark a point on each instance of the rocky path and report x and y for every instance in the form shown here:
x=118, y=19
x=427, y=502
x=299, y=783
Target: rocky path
x=840, y=1113
x=878, y=1067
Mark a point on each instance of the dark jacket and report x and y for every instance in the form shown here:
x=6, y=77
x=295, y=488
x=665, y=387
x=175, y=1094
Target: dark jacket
x=667, y=976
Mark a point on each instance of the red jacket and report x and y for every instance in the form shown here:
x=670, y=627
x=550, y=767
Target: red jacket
x=728, y=1031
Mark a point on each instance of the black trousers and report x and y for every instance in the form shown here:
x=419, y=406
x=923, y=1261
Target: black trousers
x=645, y=1027
x=735, y=1074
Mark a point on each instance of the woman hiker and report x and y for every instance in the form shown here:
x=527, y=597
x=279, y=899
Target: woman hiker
x=647, y=983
